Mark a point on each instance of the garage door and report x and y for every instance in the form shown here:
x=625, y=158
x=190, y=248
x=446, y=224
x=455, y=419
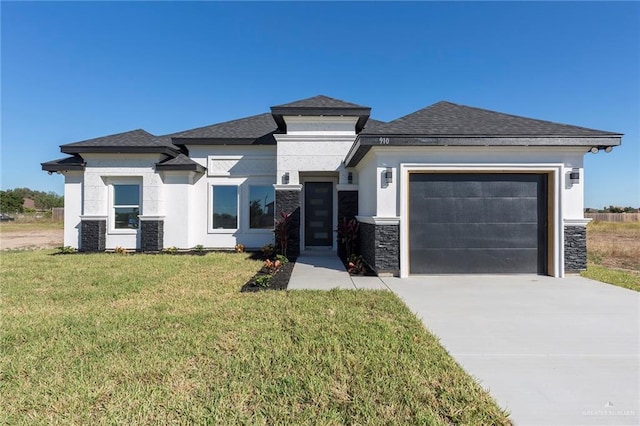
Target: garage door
x=477, y=223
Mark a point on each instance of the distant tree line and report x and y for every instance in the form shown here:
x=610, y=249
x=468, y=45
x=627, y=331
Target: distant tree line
x=612, y=209
x=11, y=200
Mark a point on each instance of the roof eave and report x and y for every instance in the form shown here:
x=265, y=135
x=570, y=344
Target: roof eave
x=364, y=142
x=262, y=140
x=67, y=149
x=181, y=167
x=60, y=166
x=362, y=113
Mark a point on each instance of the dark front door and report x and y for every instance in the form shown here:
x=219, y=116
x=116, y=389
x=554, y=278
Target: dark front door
x=477, y=223
x=318, y=217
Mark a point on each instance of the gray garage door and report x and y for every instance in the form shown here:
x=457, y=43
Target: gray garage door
x=477, y=223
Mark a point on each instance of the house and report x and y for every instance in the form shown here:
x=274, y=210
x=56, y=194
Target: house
x=446, y=189
x=28, y=203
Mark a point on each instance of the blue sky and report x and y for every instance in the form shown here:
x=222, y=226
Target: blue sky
x=77, y=70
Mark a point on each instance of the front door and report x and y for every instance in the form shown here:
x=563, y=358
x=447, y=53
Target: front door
x=318, y=217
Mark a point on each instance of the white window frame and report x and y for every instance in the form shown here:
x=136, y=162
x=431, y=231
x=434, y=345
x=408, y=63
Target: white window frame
x=112, y=205
x=210, y=228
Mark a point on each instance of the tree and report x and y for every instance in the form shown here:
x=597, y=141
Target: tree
x=43, y=200
x=47, y=200
x=10, y=202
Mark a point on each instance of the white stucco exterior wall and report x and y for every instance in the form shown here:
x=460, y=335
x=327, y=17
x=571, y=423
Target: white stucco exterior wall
x=321, y=126
x=177, y=195
x=241, y=166
x=73, y=181
x=386, y=199
x=103, y=170
x=314, y=144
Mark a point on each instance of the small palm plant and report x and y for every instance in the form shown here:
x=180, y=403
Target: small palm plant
x=281, y=230
x=348, y=235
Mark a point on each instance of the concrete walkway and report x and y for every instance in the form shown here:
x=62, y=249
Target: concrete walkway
x=323, y=270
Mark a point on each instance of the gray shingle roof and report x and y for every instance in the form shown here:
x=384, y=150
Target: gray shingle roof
x=181, y=162
x=449, y=119
x=320, y=105
x=132, y=141
x=249, y=128
x=319, y=101
x=68, y=163
x=372, y=125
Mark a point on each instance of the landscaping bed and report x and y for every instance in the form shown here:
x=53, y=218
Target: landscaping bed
x=279, y=280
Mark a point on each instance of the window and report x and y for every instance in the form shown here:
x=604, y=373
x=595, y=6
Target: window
x=225, y=207
x=126, y=206
x=261, y=207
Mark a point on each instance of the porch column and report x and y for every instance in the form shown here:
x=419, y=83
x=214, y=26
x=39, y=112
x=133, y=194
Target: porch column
x=288, y=200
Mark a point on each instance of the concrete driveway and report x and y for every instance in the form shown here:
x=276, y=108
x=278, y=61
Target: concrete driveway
x=551, y=351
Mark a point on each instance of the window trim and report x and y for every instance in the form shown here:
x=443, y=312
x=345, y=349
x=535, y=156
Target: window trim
x=210, y=228
x=112, y=205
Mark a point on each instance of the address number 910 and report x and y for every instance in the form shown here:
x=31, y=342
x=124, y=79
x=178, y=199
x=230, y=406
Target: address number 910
x=383, y=141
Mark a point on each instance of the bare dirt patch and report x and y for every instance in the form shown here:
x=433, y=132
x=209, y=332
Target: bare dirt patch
x=614, y=245
x=30, y=237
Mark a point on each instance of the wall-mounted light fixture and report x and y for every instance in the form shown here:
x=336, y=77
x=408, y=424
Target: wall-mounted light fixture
x=388, y=175
x=574, y=175
x=285, y=178
x=595, y=149
x=350, y=178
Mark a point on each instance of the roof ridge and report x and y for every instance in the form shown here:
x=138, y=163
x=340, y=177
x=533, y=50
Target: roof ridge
x=300, y=103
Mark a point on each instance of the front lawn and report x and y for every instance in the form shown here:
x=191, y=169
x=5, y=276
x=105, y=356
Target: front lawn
x=122, y=339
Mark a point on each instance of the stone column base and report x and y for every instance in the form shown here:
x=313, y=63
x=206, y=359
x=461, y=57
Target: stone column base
x=151, y=235
x=380, y=247
x=575, y=248
x=93, y=235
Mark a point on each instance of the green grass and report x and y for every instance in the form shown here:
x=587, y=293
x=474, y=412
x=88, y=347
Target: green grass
x=626, y=279
x=121, y=339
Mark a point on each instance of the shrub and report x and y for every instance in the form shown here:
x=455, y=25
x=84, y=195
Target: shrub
x=271, y=266
x=263, y=280
x=199, y=248
x=170, y=250
x=355, y=265
x=120, y=250
x=239, y=248
x=66, y=250
x=268, y=250
x=282, y=258
x=348, y=235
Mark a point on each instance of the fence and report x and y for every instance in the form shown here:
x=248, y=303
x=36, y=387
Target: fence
x=57, y=214
x=614, y=217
